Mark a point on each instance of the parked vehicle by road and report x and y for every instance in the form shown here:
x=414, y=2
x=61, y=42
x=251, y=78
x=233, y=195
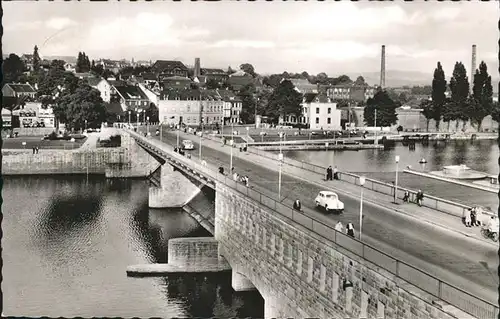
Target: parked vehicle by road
x=187, y=145
x=329, y=201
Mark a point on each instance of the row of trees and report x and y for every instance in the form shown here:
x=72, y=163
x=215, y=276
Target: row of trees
x=462, y=106
x=83, y=63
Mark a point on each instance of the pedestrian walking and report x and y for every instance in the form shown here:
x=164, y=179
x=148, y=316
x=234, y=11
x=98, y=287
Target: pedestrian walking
x=339, y=227
x=350, y=230
x=468, y=217
x=221, y=170
x=33, y=149
x=406, y=197
x=235, y=177
x=297, y=205
x=420, y=197
x=335, y=173
x=246, y=181
x=204, y=163
x=329, y=173
x=36, y=149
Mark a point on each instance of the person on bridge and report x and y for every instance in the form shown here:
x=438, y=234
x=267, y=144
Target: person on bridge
x=420, y=197
x=204, y=163
x=157, y=132
x=350, y=230
x=339, y=227
x=221, y=170
x=467, y=217
x=236, y=177
x=297, y=205
x=335, y=173
x=329, y=173
x=406, y=197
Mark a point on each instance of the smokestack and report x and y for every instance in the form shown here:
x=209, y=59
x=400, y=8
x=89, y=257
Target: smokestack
x=473, y=66
x=197, y=67
x=382, y=68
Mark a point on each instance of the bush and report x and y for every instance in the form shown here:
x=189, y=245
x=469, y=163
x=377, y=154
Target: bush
x=52, y=136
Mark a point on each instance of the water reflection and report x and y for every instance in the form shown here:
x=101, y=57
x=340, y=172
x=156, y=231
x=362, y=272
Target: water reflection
x=213, y=296
x=67, y=243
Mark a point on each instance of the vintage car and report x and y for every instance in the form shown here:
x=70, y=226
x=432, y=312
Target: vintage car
x=187, y=145
x=329, y=201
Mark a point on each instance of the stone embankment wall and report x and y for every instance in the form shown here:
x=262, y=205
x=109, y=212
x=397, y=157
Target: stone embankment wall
x=301, y=274
x=61, y=161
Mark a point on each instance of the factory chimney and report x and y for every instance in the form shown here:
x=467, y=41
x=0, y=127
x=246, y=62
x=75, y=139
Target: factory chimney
x=382, y=68
x=473, y=66
x=197, y=69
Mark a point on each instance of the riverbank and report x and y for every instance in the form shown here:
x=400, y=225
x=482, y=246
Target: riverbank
x=318, y=147
x=94, y=161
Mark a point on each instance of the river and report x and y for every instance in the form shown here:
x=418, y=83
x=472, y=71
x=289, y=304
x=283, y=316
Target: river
x=67, y=242
x=480, y=155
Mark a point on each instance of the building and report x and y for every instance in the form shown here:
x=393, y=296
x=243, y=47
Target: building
x=130, y=97
x=176, y=82
x=217, y=75
x=105, y=87
x=32, y=114
x=191, y=107
x=6, y=119
x=166, y=69
x=304, y=86
x=18, y=90
x=318, y=112
x=232, y=106
x=70, y=67
x=351, y=91
x=28, y=61
x=239, y=80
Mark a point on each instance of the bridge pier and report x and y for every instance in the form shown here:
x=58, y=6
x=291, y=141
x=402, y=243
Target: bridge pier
x=240, y=282
x=175, y=190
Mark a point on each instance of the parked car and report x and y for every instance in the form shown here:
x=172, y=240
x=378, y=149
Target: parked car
x=187, y=145
x=329, y=201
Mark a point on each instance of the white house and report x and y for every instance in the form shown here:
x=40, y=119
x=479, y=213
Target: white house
x=318, y=112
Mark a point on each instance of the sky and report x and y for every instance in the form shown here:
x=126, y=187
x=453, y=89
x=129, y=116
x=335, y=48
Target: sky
x=332, y=37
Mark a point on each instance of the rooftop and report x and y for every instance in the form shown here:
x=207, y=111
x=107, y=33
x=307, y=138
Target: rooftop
x=189, y=94
x=131, y=92
x=161, y=65
x=205, y=71
x=21, y=88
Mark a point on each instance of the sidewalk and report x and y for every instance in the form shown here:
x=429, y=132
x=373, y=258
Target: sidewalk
x=424, y=214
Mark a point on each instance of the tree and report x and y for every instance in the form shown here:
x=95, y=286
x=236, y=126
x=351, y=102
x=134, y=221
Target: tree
x=360, y=81
x=438, y=94
x=459, y=86
x=428, y=111
x=13, y=68
x=84, y=104
x=248, y=68
x=248, y=103
x=36, y=60
x=322, y=78
x=305, y=75
x=82, y=63
x=386, y=110
x=449, y=112
x=481, y=103
x=495, y=112
x=212, y=84
x=285, y=100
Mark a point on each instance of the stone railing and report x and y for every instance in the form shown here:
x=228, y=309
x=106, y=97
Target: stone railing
x=451, y=294
x=433, y=202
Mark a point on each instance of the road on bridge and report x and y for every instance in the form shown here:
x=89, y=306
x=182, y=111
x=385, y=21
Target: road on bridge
x=447, y=255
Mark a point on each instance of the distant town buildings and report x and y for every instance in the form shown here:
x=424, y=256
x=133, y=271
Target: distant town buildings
x=195, y=107
x=165, y=69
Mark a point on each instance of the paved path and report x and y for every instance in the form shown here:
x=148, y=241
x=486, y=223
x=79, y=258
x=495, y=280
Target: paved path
x=91, y=142
x=415, y=235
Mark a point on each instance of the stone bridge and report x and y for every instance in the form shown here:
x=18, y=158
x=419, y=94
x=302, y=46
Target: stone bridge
x=301, y=266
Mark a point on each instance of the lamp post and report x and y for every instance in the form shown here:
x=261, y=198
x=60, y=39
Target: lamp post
x=231, y=145
x=375, y=141
x=281, y=135
x=178, y=129
x=129, y=117
x=280, y=158
x=137, y=114
x=362, y=180
x=147, y=123
x=199, y=155
x=85, y=124
x=396, y=184
x=161, y=131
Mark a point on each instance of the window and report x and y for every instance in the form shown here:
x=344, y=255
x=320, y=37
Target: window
x=317, y=110
x=329, y=121
x=317, y=120
x=329, y=110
